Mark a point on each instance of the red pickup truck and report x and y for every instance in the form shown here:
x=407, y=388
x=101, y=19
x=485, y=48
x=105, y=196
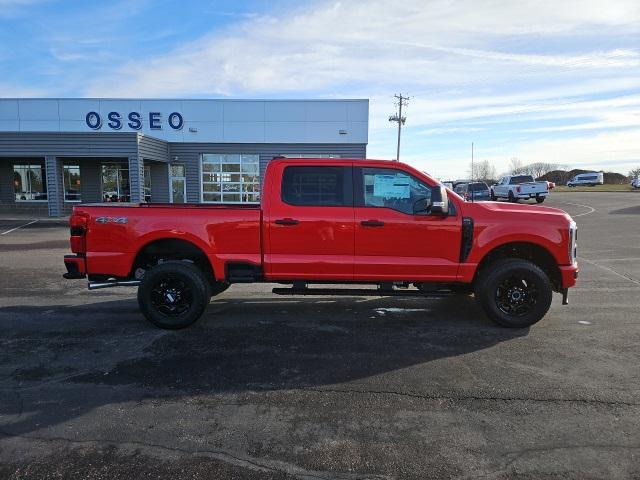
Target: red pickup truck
x=379, y=224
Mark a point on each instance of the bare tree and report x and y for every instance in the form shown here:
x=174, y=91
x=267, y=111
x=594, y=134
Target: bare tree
x=483, y=171
x=538, y=169
x=515, y=166
x=634, y=173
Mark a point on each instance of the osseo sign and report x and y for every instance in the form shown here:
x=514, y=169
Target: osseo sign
x=115, y=121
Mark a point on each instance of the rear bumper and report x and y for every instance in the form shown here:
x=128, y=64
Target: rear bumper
x=569, y=275
x=531, y=195
x=76, y=267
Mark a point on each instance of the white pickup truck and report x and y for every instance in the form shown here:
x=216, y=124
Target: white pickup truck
x=517, y=187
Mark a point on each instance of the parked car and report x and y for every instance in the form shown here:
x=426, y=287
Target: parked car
x=475, y=191
x=519, y=187
x=590, y=179
x=378, y=223
x=635, y=183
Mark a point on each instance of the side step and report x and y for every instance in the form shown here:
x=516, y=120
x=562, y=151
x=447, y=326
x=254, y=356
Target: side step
x=362, y=292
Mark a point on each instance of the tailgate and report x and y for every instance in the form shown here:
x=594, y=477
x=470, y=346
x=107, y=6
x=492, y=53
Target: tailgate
x=536, y=187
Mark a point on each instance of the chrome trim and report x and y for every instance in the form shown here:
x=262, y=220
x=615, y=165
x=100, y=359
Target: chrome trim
x=573, y=242
x=114, y=283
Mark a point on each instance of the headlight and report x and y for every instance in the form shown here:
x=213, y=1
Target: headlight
x=573, y=242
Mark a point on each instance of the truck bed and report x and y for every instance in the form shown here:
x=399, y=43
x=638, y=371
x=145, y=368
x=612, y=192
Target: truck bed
x=118, y=231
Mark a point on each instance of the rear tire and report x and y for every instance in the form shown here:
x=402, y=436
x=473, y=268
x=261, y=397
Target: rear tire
x=512, y=198
x=173, y=295
x=514, y=293
x=539, y=199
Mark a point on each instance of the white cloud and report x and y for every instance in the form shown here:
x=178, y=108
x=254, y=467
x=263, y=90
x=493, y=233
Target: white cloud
x=11, y=8
x=377, y=42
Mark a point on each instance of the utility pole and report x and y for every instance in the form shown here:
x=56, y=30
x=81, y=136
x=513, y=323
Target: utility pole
x=399, y=119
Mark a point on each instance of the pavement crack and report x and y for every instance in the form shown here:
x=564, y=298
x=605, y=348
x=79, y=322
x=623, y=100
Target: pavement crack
x=261, y=465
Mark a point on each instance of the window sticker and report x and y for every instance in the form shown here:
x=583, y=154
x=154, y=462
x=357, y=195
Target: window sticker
x=390, y=186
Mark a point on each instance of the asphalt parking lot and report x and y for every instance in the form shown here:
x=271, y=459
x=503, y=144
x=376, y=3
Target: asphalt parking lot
x=319, y=388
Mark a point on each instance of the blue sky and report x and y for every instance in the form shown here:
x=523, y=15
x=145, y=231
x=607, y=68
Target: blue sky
x=542, y=81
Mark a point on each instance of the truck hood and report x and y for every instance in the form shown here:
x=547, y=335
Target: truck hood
x=531, y=211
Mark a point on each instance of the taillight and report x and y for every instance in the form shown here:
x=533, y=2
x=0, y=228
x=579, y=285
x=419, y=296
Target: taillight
x=518, y=188
x=78, y=230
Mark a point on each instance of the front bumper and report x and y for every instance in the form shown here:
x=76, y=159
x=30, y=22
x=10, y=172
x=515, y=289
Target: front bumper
x=76, y=267
x=569, y=274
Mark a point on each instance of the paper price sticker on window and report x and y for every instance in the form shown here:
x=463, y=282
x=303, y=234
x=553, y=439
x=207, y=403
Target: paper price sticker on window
x=390, y=186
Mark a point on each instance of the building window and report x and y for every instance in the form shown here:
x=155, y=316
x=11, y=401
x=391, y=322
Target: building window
x=71, y=180
x=115, y=182
x=29, y=182
x=147, y=183
x=230, y=178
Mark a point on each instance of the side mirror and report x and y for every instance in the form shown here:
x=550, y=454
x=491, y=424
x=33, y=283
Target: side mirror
x=439, y=202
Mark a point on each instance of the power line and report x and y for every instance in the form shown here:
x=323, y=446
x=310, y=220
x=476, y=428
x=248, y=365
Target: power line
x=403, y=101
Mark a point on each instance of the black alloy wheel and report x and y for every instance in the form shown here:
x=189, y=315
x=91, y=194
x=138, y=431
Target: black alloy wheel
x=513, y=292
x=174, y=294
x=171, y=296
x=516, y=295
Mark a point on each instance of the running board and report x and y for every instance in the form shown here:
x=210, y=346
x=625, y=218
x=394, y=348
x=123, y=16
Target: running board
x=361, y=292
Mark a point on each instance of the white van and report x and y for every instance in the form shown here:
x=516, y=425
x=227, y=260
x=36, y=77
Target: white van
x=591, y=179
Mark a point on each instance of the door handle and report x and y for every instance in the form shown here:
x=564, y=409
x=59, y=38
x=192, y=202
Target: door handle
x=372, y=223
x=286, y=221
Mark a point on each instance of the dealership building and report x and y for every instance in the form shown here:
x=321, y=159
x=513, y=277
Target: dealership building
x=58, y=152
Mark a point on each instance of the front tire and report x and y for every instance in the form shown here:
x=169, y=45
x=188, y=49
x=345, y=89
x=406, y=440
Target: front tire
x=493, y=196
x=514, y=293
x=173, y=295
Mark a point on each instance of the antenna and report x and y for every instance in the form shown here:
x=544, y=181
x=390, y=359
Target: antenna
x=471, y=170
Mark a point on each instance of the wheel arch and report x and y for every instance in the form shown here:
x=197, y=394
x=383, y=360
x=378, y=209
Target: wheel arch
x=170, y=249
x=533, y=252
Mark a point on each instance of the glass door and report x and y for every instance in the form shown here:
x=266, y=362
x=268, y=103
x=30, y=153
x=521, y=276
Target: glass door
x=178, y=184
x=115, y=183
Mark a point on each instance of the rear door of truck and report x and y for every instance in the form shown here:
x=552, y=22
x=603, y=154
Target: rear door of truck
x=309, y=221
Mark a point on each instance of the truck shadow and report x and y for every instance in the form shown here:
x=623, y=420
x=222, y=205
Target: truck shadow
x=58, y=363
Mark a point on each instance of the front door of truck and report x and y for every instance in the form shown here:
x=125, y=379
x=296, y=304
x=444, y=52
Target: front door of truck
x=310, y=230
x=393, y=243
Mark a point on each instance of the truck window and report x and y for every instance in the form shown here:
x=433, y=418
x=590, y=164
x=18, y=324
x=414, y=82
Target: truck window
x=521, y=179
x=390, y=188
x=317, y=186
x=478, y=187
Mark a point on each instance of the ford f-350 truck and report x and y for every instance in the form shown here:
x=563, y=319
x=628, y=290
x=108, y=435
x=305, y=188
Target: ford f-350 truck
x=382, y=225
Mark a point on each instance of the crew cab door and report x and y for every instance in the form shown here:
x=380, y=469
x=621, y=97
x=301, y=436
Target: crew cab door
x=309, y=217
x=393, y=243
